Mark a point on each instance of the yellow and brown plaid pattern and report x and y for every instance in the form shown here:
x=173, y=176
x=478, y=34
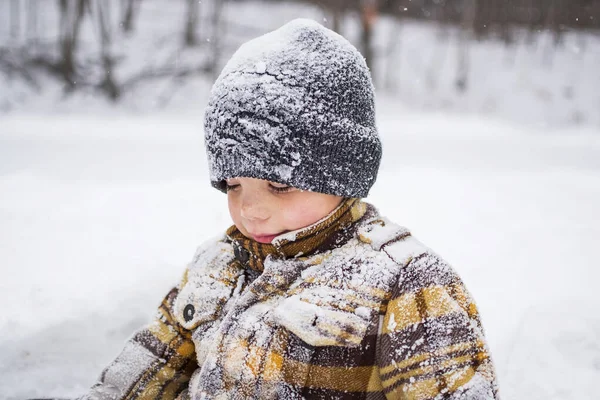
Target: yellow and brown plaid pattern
x=425, y=342
x=445, y=351
x=156, y=364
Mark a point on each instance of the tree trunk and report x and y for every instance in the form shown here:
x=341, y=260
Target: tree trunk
x=368, y=15
x=215, y=39
x=337, y=11
x=392, y=77
x=71, y=15
x=191, y=23
x=465, y=36
x=15, y=19
x=32, y=22
x=131, y=7
x=103, y=17
x=551, y=27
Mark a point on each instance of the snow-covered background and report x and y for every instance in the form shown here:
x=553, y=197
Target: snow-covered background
x=102, y=206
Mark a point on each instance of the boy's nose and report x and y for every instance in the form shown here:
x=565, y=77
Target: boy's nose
x=254, y=210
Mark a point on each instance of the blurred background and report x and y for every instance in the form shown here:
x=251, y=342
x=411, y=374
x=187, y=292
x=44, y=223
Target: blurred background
x=489, y=112
x=529, y=60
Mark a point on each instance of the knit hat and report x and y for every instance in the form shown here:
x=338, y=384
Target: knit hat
x=295, y=106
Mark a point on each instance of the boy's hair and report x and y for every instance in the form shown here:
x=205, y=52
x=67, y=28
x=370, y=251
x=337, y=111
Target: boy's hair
x=295, y=106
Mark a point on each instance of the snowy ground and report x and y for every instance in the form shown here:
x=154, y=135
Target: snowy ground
x=102, y=206
x=100, y=213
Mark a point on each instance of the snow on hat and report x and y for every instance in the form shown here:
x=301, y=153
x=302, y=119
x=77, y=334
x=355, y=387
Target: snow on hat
x=295, y=106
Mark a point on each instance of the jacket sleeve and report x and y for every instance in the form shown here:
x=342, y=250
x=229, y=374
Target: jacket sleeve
x=156, y=363
x=432, y=342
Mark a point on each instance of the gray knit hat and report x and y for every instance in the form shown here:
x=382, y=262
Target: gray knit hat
x=295, y=106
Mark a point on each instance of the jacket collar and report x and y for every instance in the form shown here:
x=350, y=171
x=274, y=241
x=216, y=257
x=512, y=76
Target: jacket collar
x=329, y=232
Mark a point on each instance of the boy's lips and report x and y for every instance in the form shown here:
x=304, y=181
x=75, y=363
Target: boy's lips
x=262, y=238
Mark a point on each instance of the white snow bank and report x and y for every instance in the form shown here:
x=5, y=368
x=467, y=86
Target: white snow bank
x=99, y=216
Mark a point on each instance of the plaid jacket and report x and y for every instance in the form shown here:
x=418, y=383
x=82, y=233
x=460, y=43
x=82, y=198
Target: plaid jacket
x=372, y=315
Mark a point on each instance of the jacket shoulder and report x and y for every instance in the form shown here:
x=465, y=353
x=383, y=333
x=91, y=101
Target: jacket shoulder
x=395, y=241
x=421, y=266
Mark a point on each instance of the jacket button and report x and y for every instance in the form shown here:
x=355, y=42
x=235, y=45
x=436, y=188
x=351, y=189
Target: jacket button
x=241, y=254
x=188, y=313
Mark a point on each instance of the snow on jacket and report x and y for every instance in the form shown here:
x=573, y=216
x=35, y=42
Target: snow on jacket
x=352, y=307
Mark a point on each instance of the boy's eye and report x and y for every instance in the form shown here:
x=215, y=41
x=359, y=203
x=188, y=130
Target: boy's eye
x=230, y=187
x=273, y=186
x=279, y=188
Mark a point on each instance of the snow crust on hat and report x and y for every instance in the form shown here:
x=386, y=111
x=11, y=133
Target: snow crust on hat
x=295, y=106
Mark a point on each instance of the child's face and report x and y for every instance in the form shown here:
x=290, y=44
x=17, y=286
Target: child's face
x=262, y=210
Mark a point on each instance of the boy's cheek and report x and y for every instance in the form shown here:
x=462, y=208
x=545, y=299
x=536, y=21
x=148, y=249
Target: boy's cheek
x=300, y=215
x=234, y=212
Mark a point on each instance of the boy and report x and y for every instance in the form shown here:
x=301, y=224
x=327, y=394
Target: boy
x=310, y=294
